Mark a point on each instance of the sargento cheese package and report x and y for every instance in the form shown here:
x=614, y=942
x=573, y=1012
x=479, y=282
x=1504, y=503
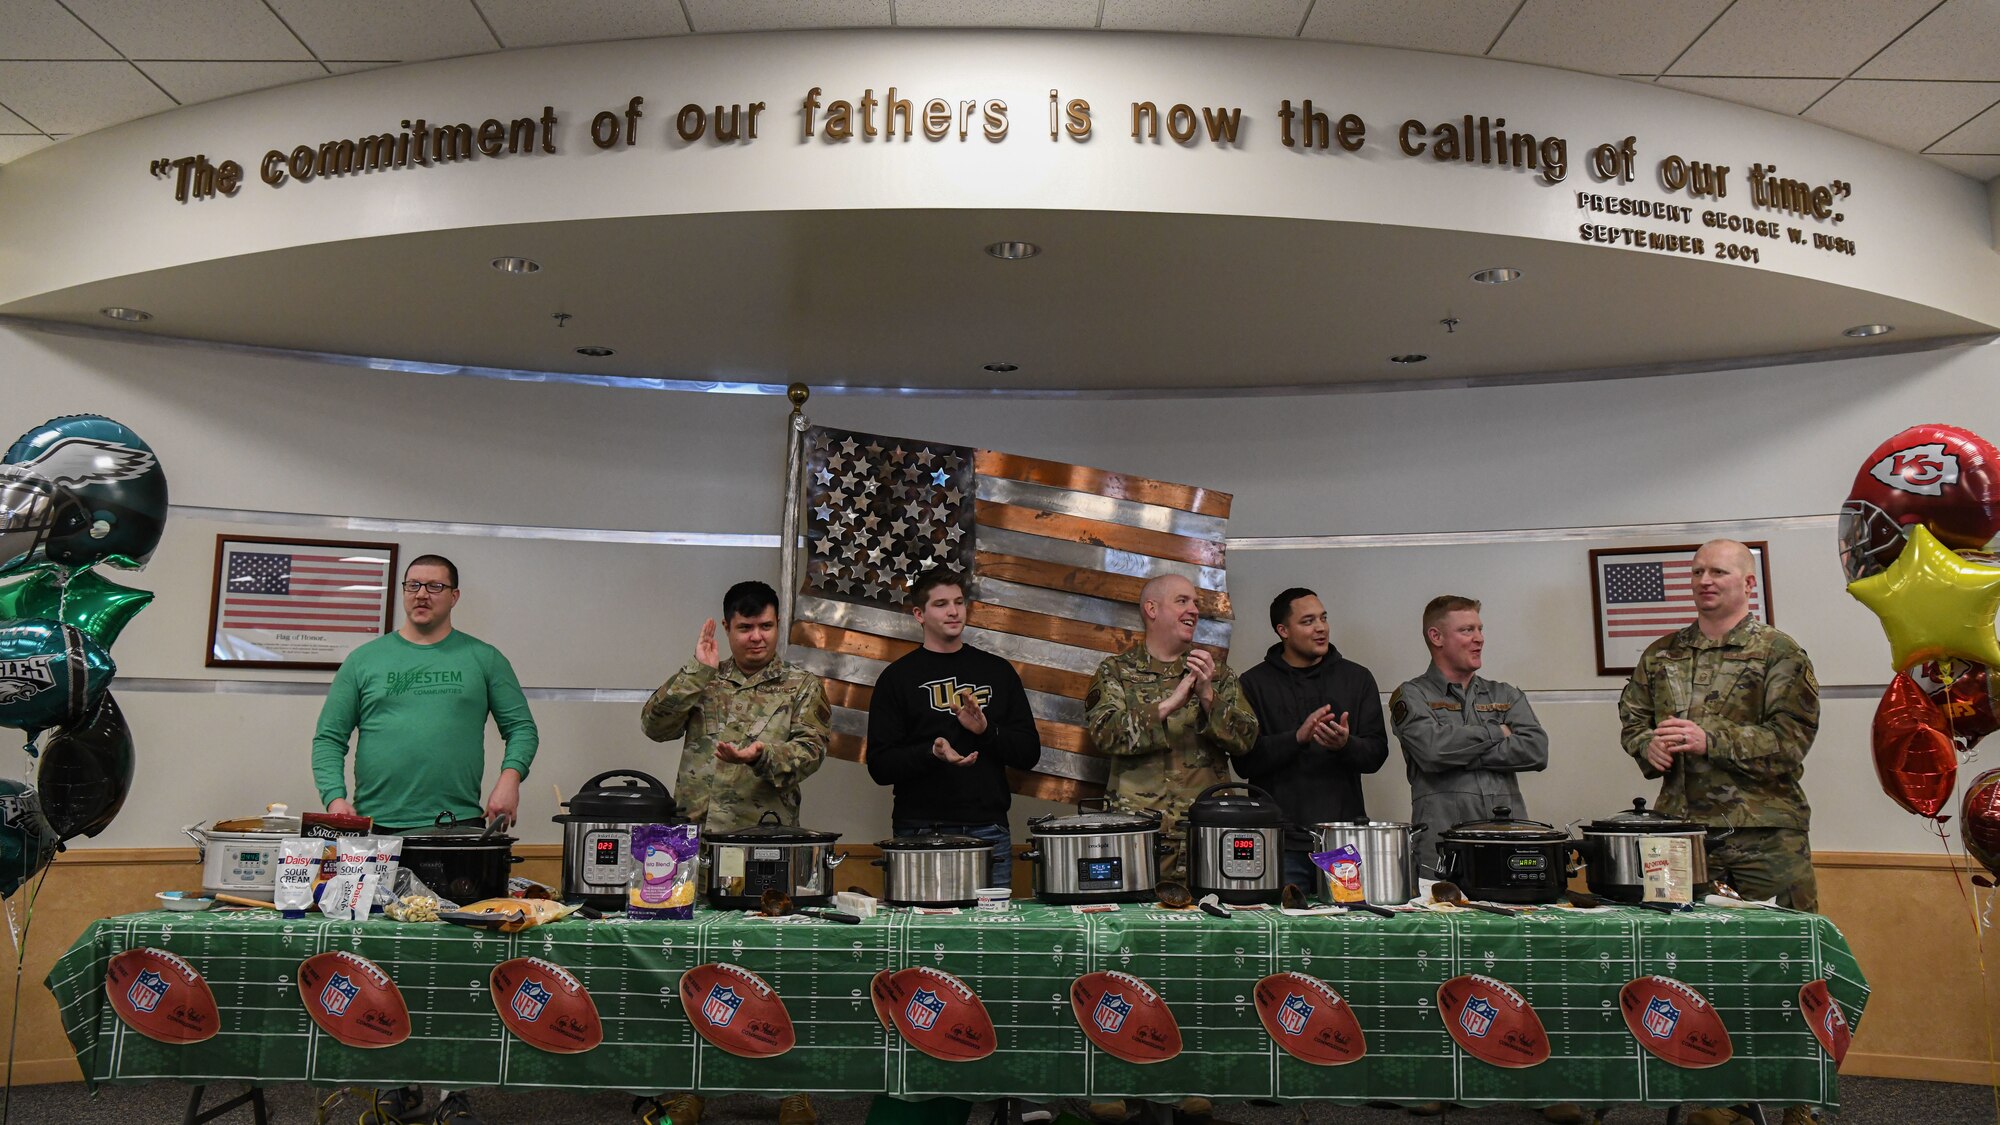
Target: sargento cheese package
x=663, y=870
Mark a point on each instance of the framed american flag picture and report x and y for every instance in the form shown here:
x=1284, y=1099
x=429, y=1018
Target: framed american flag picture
x=297, y=603
x=1640, y=594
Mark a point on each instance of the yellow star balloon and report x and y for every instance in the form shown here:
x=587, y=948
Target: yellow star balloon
x=1934, y=605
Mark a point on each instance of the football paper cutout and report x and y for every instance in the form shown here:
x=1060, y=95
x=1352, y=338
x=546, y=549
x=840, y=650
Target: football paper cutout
x=1309, y=1019
x=1829, y=1024
x=546, y=1006
x=161, y=996
x=1675, y=1022
x=880, y=993
x=1125, y=1017
x=1492, y=1022
x=353, y=1000
x=734, y=1009
x=936, y=1013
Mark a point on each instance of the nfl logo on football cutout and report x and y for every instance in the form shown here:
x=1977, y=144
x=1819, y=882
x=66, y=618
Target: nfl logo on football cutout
x=530, y=999
x=1662, y=1017
x=924, y=1009
x=1477, y=1016
x=1112, y=1008
x=338, y=994
x=720, y=1006
x=1293, y=1016
x=147, y=992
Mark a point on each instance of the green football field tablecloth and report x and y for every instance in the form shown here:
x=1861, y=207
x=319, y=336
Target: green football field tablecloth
x=1570, y=966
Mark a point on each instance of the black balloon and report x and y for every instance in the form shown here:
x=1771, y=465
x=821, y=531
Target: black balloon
x=86, y=772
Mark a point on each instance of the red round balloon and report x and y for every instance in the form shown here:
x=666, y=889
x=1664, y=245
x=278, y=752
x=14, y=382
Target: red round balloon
x=1943, y=477
x=1979, y=819
x=1967, y=697
x=1914, y=757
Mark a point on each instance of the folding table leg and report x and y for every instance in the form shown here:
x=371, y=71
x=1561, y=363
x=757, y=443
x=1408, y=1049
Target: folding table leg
x=254, y=1097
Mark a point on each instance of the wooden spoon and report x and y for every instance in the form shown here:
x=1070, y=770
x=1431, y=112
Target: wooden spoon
x=1448, y=892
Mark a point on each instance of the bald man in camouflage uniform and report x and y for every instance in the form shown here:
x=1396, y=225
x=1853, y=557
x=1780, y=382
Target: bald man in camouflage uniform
x=1169, y=715
x=1724, y=710
x=755, y=726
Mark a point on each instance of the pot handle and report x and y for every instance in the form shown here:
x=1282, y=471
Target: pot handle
x=1445, y=867
x=634, y=775
x=833, y=859
x=1419, y=828
x=1163, y=846
x=1032, y=855
x=194, y=832
x=879, y=861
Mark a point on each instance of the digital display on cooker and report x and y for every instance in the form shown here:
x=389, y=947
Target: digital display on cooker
x=1100, y=873
x=606, y=853
x=1243, y=848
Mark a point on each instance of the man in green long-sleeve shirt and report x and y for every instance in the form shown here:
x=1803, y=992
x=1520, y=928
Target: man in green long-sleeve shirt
x=420, y=697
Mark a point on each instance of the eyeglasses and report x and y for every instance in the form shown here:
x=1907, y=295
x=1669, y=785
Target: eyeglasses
x=433, y=587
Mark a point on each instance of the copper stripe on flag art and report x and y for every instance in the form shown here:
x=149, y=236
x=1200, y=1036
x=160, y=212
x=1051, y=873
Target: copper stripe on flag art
x=1055, y=557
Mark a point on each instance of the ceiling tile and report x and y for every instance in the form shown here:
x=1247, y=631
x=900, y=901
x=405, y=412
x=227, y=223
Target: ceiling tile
x=1979, y=136
x=13, y=148
x=191, y=82
x=1908, y=115
x=387, y=29
x=352, y=66
x=1956, y=41
x=708, y=16
x=1605, y=36
x=1798, y=38
x=1000, y=13
x=191, y=29
x=538, y=23
x=1235, y=17
x=42, y=29
x=1779, y=95
x=9, y=123
x=76, y=97
x=1467, y=27
x=1978, y=167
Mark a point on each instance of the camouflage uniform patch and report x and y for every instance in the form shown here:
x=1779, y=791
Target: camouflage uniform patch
x=782, y=705
x=1163, y=766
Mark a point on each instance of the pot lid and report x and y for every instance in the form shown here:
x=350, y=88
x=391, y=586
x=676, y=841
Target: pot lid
x=257, y=826
x=1639, y=818
x=642, y=799
x=1094, y=823
x=450, y=832
x=1504, y=826
x=930, y=842
x=1250, y=808
x=771, y=830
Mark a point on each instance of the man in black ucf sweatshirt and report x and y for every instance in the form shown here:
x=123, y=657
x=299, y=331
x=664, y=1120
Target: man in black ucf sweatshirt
x=946, y=723
x=1320, y=715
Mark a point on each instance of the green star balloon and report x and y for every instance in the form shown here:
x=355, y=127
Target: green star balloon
x=98, y=606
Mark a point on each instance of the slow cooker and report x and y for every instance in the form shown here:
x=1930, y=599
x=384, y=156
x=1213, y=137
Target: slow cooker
x=1235, y=844
x=1100, y=856
x=1613, y=850
x=240, y=857
x=738, y=867
x=462, y=862
x=1388, y=862
x=1505, y=859
x=597, y=834
x=934, y=870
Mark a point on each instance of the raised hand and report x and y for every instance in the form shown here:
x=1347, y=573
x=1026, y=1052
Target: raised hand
x=970, y=716
x=704, y=648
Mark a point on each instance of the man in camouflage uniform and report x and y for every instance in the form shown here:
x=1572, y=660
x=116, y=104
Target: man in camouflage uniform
x=1169, y=715
x=1724, y=710
x=755, y=726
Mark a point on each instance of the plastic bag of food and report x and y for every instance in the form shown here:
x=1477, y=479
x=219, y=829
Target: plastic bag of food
x=1343, y=872
x=663, y=869
x=344, y=899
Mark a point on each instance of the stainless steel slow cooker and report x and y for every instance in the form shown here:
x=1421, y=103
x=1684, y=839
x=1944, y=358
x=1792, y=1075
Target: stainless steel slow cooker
x=738, y=867
x=1235, y=844
x=462, y=862
x=1505, y=859
x=1388, y=862
x=240, y=857
x=1612, y=850
x=934, y=870
x=1100, y=856
x=597, y=834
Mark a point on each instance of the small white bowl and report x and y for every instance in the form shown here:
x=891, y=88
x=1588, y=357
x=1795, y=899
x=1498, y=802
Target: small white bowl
x=995, y=899
x=182, y=901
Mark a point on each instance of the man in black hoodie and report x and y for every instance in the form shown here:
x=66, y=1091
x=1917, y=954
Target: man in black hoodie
x=1320, y=715
x=944, y=724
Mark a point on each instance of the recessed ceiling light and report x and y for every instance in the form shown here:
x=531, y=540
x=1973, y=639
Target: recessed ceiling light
x=595, y=352
x=1002, y=368
x=1498, y=275
x=1412, y=357
x=1869, y=330
x=517, y=265
x=1013, y=251
x=116, y=312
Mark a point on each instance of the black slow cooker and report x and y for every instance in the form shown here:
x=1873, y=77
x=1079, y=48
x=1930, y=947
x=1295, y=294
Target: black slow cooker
x=738, y=866
x=1505, y=859
x=462, y=862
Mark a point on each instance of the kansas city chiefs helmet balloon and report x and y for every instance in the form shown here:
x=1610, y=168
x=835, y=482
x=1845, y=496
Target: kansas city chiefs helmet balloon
x=77, y=490
x=1943, y=477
